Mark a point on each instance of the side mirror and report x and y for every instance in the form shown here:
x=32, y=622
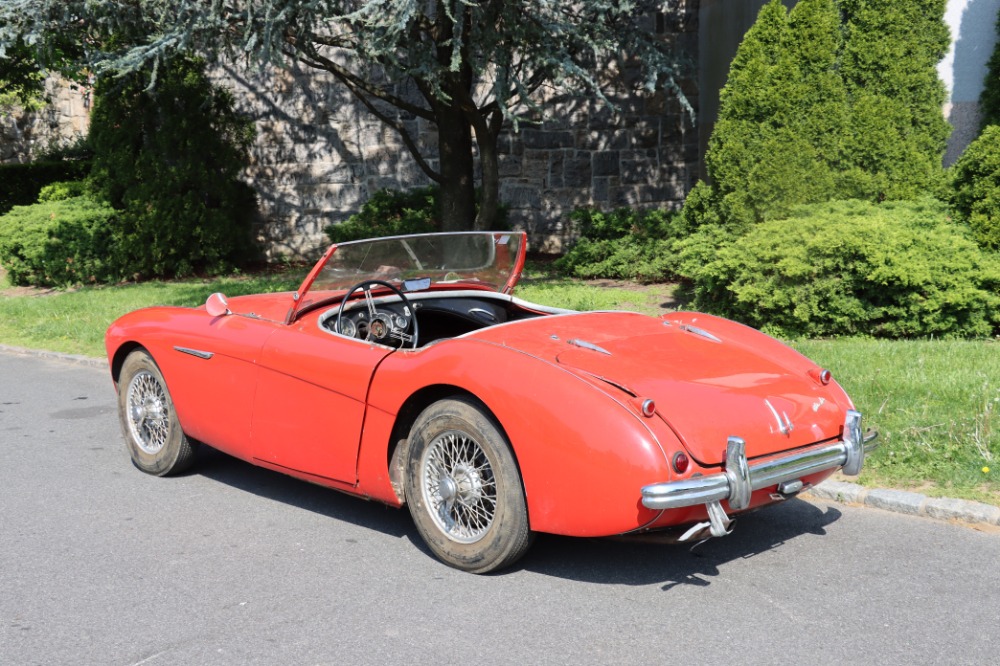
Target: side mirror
x=216, y=305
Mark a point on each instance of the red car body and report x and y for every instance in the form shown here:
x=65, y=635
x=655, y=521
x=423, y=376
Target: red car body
x=618, y=423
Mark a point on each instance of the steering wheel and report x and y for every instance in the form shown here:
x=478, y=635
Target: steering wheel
x=380, y=321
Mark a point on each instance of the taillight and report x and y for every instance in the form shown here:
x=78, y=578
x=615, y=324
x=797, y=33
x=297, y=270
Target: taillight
x=681, y=462
x=822, y=376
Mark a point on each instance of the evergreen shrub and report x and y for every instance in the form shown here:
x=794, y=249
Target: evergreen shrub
x=57, y=243
x=975, y=194
x=397, y=213
x=168, y=158
x=63, y=189
x=893, y=270
x=390, y=213
x=622, y=244
x=21, y=183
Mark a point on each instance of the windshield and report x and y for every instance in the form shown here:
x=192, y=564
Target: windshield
x=488, y=259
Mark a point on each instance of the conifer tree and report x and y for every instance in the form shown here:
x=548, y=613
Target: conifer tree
x=889, y=64
x=989, y=99
x=781, y=111
x=836, y=99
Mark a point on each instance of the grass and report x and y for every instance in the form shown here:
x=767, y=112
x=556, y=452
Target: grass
x=936, y=404
x=75, y=321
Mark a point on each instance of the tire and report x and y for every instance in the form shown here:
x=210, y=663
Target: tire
x=153, y=434
x=464, y=490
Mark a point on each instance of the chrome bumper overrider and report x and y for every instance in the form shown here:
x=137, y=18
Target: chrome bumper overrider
x=739, y=478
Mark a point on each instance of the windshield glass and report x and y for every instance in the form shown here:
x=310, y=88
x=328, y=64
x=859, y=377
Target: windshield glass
x=488, y=259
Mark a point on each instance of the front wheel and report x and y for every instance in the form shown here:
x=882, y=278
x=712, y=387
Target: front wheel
x=149, y=423
x=464, y=490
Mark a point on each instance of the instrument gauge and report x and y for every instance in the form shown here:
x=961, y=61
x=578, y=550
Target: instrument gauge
x=347, y=327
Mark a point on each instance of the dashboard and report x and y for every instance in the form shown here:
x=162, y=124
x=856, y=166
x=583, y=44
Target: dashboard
x=390, y=322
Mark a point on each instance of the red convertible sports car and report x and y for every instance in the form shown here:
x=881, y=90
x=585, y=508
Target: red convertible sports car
x=404, y=370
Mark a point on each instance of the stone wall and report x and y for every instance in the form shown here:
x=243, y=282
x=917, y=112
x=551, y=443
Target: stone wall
x=63, y=119
x=320, y=154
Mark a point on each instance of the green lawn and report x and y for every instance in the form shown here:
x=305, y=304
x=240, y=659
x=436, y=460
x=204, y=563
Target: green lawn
x=936, y=404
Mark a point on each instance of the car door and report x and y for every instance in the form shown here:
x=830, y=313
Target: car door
x=210, y=365
x=309, y=406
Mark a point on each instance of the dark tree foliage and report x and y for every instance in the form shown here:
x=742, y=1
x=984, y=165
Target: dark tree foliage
x=989, y=99
x=168, y=158
x=21, y=77
x=975, y=192
x=467, y=68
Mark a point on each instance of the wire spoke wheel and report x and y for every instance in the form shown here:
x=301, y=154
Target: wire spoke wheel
x=464, y=489
x=149, y=422
x=147, y=412
x=459, y=486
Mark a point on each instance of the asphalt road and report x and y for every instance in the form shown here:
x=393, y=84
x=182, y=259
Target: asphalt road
x=230, y=564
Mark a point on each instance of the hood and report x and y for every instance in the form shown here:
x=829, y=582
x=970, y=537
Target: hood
x=709, y=378
x=273, y=307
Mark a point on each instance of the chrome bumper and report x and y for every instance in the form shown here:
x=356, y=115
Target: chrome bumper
x=739, y=479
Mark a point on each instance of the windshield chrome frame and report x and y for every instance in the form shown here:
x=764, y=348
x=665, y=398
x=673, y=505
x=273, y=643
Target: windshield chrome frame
x=298, y=302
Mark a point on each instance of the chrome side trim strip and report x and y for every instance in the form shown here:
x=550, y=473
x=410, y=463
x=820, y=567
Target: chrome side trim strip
x=195, y=352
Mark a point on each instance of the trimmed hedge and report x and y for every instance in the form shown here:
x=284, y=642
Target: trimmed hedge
x=58, y=243
x=21, y=183
x=397, y=213
x=850, y=268
x=390, y=213
x=623, y=244
x=975, y=195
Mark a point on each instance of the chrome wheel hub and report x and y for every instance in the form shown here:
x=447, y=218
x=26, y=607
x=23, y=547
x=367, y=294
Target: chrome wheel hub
x=148, y=417
x=458, y=486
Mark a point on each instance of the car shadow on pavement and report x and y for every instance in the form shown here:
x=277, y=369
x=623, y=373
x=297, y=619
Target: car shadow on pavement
x=619, y=562
x=276, y=486
x=607, y=560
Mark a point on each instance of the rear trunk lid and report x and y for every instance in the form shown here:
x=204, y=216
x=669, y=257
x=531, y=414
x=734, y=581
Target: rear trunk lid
x=707, y=386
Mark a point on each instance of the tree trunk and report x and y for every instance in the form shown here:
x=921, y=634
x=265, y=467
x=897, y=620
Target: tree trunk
x=489, y=196
x=458, y=187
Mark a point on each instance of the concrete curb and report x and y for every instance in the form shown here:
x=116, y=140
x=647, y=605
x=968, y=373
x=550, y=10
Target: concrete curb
x=914, y=504
x=56, y=356
x=899, y=501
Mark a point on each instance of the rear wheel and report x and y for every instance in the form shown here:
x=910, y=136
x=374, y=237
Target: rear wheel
x=464, y=490
x=149, y=423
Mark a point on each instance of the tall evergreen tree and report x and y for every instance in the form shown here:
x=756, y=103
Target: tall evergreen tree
x=836, y=99
x=889, y=64
x=781, y=113
x=989, y=99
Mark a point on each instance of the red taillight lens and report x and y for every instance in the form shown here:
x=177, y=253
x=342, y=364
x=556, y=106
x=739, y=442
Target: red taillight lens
x=822, y=376
x=648, y=407
x=681, y=462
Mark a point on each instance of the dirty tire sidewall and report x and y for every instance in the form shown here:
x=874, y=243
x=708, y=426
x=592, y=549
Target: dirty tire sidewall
x=508, y=536
x=177, y=452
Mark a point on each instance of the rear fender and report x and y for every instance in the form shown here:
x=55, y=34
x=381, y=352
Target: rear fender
x=583, y=455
